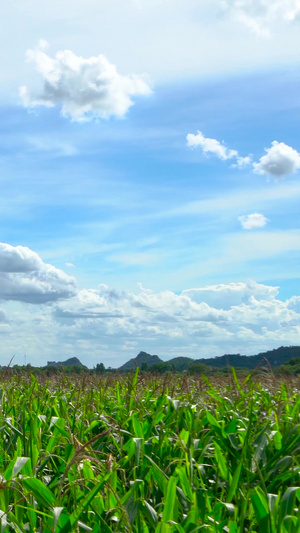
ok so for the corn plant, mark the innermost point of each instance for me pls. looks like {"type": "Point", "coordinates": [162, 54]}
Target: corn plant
{"type": "Point", "coordinates": [148, 454]}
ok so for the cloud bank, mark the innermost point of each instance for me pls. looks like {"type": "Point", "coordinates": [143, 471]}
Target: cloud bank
{"type": "Point", "coordinates": [85, 88]}
{"type": "Point", "coordinates": [95, 324]}
{"type": "Point", "coordinates": [237, 316]}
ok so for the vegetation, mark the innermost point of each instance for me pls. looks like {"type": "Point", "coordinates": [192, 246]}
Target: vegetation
{"type": "Point", "coordinates": [142, 358]}
{"type": "Point", "coordinates": [147, 454]}
{"type": "Point", "coordinates": [152, 363]}
{"type": "Point", "coordinates": [292, 367]}
{"type": "Point", "coordinates": [275, 358]}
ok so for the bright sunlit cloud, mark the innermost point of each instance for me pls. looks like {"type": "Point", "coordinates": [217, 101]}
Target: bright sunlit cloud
{"type": "Point", "coordinates": [26, 278]}
{"type": "Point", "coordinates": [84, 88]}
{"type": "Point", "coordinates": [279, 160]}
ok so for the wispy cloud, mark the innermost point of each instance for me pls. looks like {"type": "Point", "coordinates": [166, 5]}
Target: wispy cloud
{"type": "Point", "coordinates": [213, 146]}
{"type": "Point", "coordinates": [260, 15]}
{"type": "Point", "coordinates": [52, 146]}
{"type": "Point", "coordinates": [85, 88]}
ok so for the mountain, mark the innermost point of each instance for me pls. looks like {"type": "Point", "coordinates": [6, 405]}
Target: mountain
{"type": "Point", "coordinates": [276, 358]}
{"type": "Point", "coordinates": [141, 358]}
{"type": "Point", "coordinates": [180, 363]}
{"type": "Point", "coordinates": [73, 361]}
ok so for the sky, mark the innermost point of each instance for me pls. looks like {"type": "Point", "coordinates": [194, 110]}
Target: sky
{"type": "Point", "coordinates": [149, 167]}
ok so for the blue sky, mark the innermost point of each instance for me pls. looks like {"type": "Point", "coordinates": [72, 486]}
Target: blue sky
{"type": "Point", "coordinates": [150, 162]}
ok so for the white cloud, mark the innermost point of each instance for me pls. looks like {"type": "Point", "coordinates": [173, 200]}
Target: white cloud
{"type": "Point", "coordinates": [260, 15]}
{"type": "Point", "coordinates": [244, 317]}
{"type": "Point", "coordinates": [142, 43]}
{"type": "Point", "coordinates": [26, 278]}
{"type": "Point", "coordinates": [279, 160]}
{"type": "Point", "coordinates": [210, 146]}
{"type": "Point", "coordinates": [224, 296]}
{"type": "Point", "coordinates": [85, 88]}
{"type": "Point", "coordinates": [164, 313]}
{"type": "Point", "coordinates": [213, 146]}
{"type": "Point", "coordinates": [199, 322]}
{"type": "Point", "coordinates": [253, 221]}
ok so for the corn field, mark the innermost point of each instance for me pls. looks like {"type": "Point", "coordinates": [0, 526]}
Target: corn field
{"type": "Point", "coordinates": [149, 454]}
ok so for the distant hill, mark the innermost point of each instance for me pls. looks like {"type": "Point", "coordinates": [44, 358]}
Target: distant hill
{"type": "Point", "coordinates": [276, 358]}
{"type": "Point", "coordinates": [141, 358]}
{"type": "Point", "coordinates": [180, 363]}
{"type": "Point", "coordinates": [73, 361]}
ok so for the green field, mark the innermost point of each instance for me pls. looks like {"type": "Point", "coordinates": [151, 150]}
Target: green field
{"type": "Point", "coordinates": [150, 454]}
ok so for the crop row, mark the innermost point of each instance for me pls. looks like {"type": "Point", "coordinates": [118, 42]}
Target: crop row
{"type": "Point", "coordinates": [145, 456]}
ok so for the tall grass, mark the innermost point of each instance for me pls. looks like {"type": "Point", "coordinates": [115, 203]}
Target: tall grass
{"type": "Point", "coordinates": [140, 454]}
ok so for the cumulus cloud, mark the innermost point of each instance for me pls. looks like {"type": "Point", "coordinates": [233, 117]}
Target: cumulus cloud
{"type": "Point", "coordinates": [225, 296]}
{"type": "Point", "coordinates": [97, 325]}
{"type": "Point", "coordinates": [205, 321]}
{"type": "Point", "coordinates": [213, 146]}
{"type": "Point", "coordinates": [260, 15]}
{"type": "Point", "coordinates": [207, 311]}
{"type": "Point", "coordinates": [129, 312]}
{"type": "Point", "coordinates": [26, 278]}
{"type": "Point", "coordinates": [253, 221]}
{"type": "Point", "coordinates": [85, 88]}
{"type": "Point", "coordinates": [280, 160]}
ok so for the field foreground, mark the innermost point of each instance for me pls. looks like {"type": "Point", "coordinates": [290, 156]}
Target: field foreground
{"type": "Point", "coordinates": [144, 454]}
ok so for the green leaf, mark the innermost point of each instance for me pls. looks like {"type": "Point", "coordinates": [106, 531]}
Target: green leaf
{"type": "Point", "coordinates": [87, 500]}
{"type": "Point", "coordinates": [15, 467]}
{"type": "Point", "coordinates": [40, 491]}
{"type": "Point", "coordinates": [235, 482]}
{"type": "Point", "coordinates": [170, 501]}
{"type": "Point", "coordinates": [138, 447]}
{"type": "Point", "coordinates": [221, 461]}
{"type": "Point", "coordinates": [261, 509]}
{"type": "Point", "coordinates": [150, 513]}
{"type": "Point", "coordinates": [185, 483]}
{"type": "Point", "coordinates": [137, 427]}
{"type": "Point", "coordinates": [290, 524]}
{"type": "Point", "coordinates": [131, 491]}
{"type": "Point", "coordinates": [239, 388]}
{"type": "Point", "coordinates": [287, 503]}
